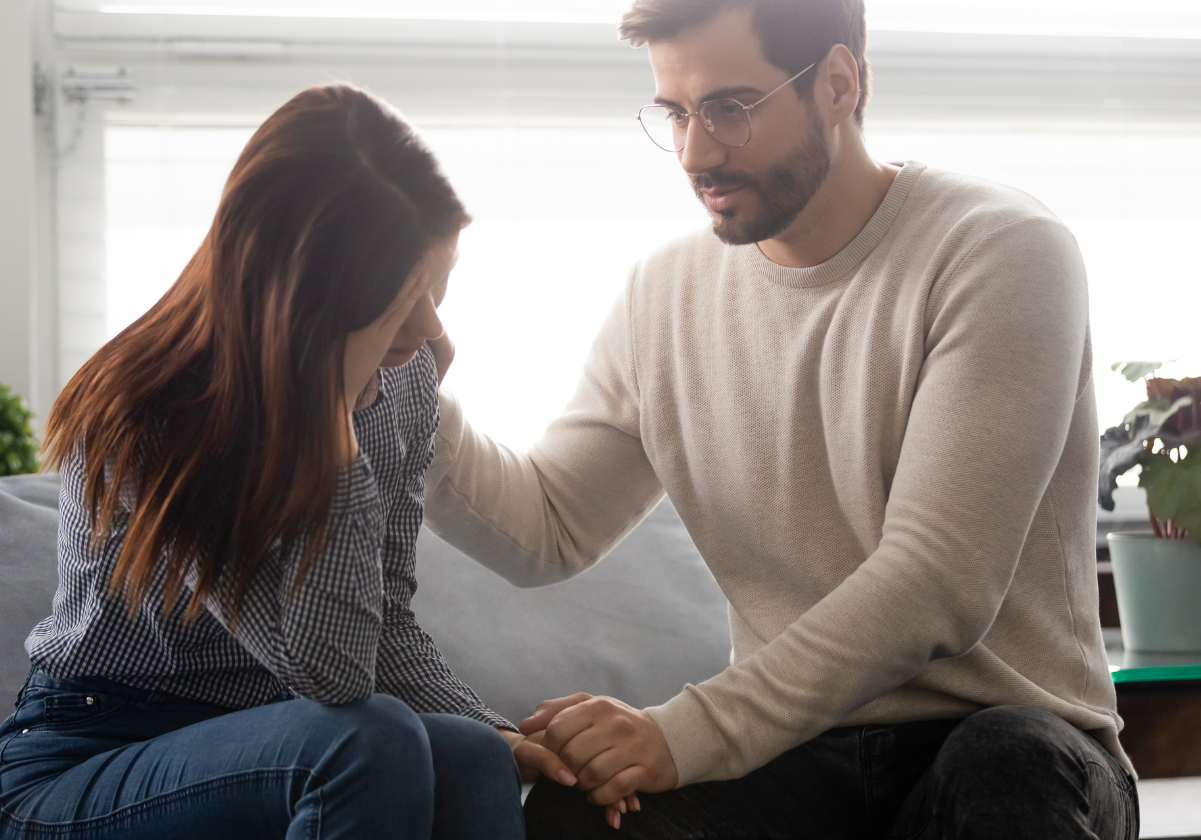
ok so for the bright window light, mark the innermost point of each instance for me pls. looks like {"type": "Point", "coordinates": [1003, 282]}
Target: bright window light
{"type": "Point", "coordinates": [560, 215]}
{"type": "Point", "coordinates": [1173, 19]}
{"type": "Point", "coordinates": [563, 212]}
{"type": "Point", "coordinates": [1179, 19]}
{"type": "Point", "coordinates": [506, 11]}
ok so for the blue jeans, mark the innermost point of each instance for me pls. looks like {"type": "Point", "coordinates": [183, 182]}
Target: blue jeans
{"type": "Point", "coordinates": [1003, 773]}
{"type": "Point", "coordinates": [93, 759]}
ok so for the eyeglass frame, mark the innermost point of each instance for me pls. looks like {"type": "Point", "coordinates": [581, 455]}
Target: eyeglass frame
{"type": "Point", "coordinates": [746, 109]}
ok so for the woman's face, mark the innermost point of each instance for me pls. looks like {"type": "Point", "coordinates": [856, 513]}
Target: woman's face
{"type": "Point", "coordinates": [422, 322]}
{"type": "Point", "coordinates": [396, 336]}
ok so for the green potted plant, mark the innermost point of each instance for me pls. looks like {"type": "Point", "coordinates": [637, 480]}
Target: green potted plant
{"type": "Point", "coordinates": [1157, 574]}
{"type": "Point", "coordinates": [18, 446]}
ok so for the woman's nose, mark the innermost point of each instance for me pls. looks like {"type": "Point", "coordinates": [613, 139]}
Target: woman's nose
{"type": "Point", "coordinates": [430, 323]}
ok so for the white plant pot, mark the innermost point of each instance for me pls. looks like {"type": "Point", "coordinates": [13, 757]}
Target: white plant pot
{"type": "Point", "coordinates": [1158, 584]}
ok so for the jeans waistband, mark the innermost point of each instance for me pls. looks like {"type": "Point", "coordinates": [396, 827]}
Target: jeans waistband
{"type": "Point", "coordinates": [39, 679]}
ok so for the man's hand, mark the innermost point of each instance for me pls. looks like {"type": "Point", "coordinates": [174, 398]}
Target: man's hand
{"type": "Point", "coordinates": [533, 759]}
{"type": "Point", "coordinates": [612, 748]}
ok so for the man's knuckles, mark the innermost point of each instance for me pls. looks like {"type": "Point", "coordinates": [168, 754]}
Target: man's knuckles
{"type": "Point", "coordinates": [558, 703]}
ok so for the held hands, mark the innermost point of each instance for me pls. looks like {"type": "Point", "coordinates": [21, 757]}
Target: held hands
{"type": "Point", "coordinates": [613, 749]}
{"type": "Point", "coordinates": [534, 760]}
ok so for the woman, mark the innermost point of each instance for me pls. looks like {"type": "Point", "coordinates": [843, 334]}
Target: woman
{"type": "Point", "coordinates": [232, 652]}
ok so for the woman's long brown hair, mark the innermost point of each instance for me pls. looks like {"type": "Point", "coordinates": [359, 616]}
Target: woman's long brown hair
{"type": "Point", "coordinates": [209, 425]}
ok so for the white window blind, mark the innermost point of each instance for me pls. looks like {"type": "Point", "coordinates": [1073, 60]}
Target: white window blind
{"type": "Point", "coordinates": [563, 212]}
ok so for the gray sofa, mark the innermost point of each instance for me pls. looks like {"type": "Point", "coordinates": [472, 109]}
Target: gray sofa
{"type": "Point", "coordinates": [639, 625]}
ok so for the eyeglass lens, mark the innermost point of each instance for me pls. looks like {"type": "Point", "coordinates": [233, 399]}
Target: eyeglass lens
{"type": "Point", "coordinates": [725, 119]}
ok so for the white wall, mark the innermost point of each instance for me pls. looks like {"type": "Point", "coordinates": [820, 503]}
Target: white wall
{"type": "Point", "coordinates": [17, 183]}
{"type": "Point", "coordinates": [28, 285]}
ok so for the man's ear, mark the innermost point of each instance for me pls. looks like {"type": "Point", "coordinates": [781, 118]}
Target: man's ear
{"type": "Point", "coordinates": [836, 88]}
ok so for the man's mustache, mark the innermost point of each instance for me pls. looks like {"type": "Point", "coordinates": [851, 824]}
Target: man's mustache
{"type": "Point", "coordinates": [718, 178]}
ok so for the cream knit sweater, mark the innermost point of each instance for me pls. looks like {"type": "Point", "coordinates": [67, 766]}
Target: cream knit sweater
{"type": "Point", "coordinates": [888, 461]}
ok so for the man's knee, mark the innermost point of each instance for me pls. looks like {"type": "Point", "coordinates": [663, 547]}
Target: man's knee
{"type": "Point", "coordinates": [1019, 771]}
{"type": "Point", "coordinates": [1011, 742]}
{"type": "Point", "coordinates": [553, 812]}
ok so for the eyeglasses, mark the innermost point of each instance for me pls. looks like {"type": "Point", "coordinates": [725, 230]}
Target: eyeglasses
{"type": "Point", "coordinates": [728, 121]}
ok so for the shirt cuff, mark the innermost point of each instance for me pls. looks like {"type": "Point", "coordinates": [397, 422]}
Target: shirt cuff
{"type": "Point", "coordinates": [485, 715]}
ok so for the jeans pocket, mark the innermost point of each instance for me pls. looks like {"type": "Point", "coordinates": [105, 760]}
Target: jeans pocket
{"type": "Point", "coordinates": [64, 709]}
{"type": "Point", "coordinates": [1113, 796]}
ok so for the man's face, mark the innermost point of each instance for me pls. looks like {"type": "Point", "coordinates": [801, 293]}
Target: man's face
{"type": "Point", "coordinates": [754, 192]}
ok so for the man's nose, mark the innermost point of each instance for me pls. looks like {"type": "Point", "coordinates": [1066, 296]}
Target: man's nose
{"type": "Point", "coordinates": [701, 151]}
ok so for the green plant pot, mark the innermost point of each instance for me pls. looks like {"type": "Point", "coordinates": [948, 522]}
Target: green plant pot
{"type": "Point", "coordinates": [1158, 585]}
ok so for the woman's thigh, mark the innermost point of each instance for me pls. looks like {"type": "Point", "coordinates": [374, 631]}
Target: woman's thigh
{"type": "Point", "coordinates": [90, 765]}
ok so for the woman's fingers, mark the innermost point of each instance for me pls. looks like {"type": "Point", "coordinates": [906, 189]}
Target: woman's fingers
{"type": "Point", "coordinates": [534, 760]}
{"type": "Point", "coordinates": [620, 786]}
{"type": "Point", "coordinates": [622, 806]}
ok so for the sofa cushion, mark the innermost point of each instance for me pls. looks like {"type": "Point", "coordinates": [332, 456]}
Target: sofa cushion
{"type": "Point", "coordinates": [638, 625]}
{"type": "Point", "coordinates": [28, 571]}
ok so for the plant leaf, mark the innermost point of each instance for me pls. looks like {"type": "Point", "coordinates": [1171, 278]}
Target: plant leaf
{"type": "Point", "coordinates": [1157, 412]}
{"type": "Point", "coordinates": [1121, 448]}
{"type": "Point", "coordinates": [1174, 490]}
{"type": "Point", "coordinates": [1134, 371]}
{"type": "Point", "coordinates": [18, 446]}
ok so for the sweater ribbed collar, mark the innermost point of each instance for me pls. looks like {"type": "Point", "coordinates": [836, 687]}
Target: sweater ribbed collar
{"type": "Point", "coordinates": [850, 257]}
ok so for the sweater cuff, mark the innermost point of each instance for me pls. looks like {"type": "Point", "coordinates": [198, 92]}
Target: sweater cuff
{"type": "Point", "coordinates": [697, 746]}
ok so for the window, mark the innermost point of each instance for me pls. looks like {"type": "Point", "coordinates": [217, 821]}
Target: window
{"type": "Point", "coordinates": [1079, 102]}
{"type": "Point", "coordinates": [560, 215]}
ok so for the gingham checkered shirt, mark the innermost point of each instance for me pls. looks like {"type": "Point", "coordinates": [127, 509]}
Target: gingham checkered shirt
{"type": "Point", "coordinates": [347, 631]}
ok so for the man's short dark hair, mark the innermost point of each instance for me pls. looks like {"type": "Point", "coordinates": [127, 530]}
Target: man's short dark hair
{"type": "Point", "coordinates": [793, 33]}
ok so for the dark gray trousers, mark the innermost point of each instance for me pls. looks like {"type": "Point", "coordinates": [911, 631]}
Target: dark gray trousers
{"type": "Point", "coordinates": [1007, 772]}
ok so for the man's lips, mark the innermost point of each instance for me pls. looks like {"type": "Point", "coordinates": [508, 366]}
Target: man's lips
{"type": "Point", "coordinates": [721, 196]}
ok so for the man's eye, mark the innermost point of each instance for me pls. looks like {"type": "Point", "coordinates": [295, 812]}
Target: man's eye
{"type": "Point", "coordinates": [676, 117]}
{"type": "Point", "coordinates": [725, 108]}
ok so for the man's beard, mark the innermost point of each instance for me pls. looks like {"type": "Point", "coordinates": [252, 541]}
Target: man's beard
{"type": "Point", "coordinates": [790, 187]}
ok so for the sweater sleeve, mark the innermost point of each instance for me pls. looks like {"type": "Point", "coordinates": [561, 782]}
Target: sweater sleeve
{"type": "Point", "coordinates": [1005, 351]}
{"type": "Point", "coordinates": [541, 516]}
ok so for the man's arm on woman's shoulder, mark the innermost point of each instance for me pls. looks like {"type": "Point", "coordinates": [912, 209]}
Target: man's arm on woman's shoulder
{"type": "Point", "coordinates": [540, 516]}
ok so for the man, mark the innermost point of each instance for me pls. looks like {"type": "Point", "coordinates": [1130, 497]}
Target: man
{"type": "Point", "coordinates": [867, 392]}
